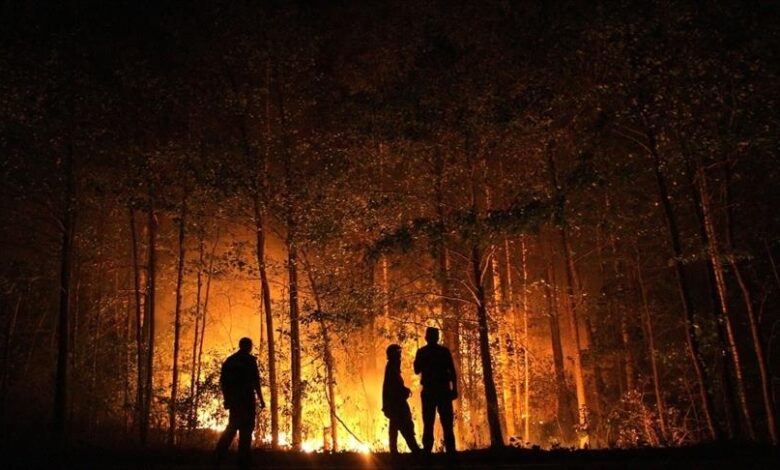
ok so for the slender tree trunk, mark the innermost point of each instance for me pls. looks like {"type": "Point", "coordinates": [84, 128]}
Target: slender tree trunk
{"type": "Point", "coordinates": [616, 305]}
{"type": "Point", "coordinates": [628, 363]}
{"type": "Point", "coordinates": [95, 340]}
{"type": "Point", "coordinates": [259, 191]}
{"type": "Point", "coordinates": [330, 376]}
{"type": "Point", "coordinates": [691, 340]}
{"type": "Point", "coordinates": [327, 352]}
{"type": "Point", "coordinates": [564, 411]}
{"type": "Point", "coordinates": [526, 368]}
{"type": "Point", "coordinates": [292, 273]}
{"type": "Point", "coordinates": [204, 319]}
{"type": "Point", "coordinates": [594, 407]}
{"type": "Point", "coordinates": [128, 359]}
{"type": "Point", "coordinates": [755, 334]}
{"type": "Point", "coordinates": [725, 359]}
{"type": "Point", "coordinates": [579, 377]}
{"type": "Point", "coordinates": [651, 350]}
{"type": "Point", "coordinates": [196, 334]}
{"type": "Point", "coordinates": [758, 349]}
{"type": "Point", "coordinates": [150, 318]}
{"type": "Point", "coordinates": [295, 342]}
{"type": "Point", "coordinates": [177, 325]}
{"type": "Point", "coordinates": [491, 395]}
{"type": "Point", "coordinates": [66, 251]}
{"type": "Point", "coordinates": [720, 282]}
{"type": "Point", "coordinates": [265, 292]}
{"type": "Point", "coordinates": [140, 305]}
{"type": "Point", "coordinates": [513, 341]}
{"type": "Point", "coordinates": [499, 304]}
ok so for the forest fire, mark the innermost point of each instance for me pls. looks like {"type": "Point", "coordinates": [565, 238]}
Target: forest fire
{"type": "Point", "coordinates": [209, 417]}
{"type": "Point", "coordinates": [462, 226]}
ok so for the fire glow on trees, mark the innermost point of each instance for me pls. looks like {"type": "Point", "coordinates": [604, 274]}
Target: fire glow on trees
{"type": "Point", "coordinates": [583, 199]}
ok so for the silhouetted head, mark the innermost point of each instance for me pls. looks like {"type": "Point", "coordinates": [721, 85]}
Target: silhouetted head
{"type": "Point", "coordinates": [245, 345]}
{"type": "Point", "coordinates": [432, 335]}
{"type": "Point", "coordinates": [393, 352]}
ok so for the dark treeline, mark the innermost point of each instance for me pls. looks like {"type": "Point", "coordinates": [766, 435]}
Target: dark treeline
{"type": "Point", "coordinates": [581, 195]}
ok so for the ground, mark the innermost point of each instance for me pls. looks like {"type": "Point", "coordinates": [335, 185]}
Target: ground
{"type": "Point", "coordinates": [729, 455]}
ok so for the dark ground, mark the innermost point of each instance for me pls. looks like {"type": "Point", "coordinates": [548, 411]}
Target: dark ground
{"type": "Point", "coordinates": [735, 456]}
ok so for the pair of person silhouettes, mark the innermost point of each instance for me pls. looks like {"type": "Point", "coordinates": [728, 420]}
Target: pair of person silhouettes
{"type": "Point", "coordinates": [439, 388]}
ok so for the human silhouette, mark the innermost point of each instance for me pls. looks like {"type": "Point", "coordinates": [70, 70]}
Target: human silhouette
{"type": "Point", "coordinates": [439, 388]}
{"type": "Point", "coordinates": [240, 381]}
{"type": "Point", "coordinates": [394, 405]}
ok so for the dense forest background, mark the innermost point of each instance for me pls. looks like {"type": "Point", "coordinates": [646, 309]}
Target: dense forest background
{"type": "Point", "coordinates": [581, 195]}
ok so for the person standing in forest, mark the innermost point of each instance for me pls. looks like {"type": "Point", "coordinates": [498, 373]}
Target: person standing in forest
{"type": "Point", "coordinates": [394, 405]}
{"type": "Point", "coordinates": [439, 388]}
{"type": "Point", "coordinates": [240, 381]}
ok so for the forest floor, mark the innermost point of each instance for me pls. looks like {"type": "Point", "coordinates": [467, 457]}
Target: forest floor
{"type": "Point", "coordinates": [735, 456]}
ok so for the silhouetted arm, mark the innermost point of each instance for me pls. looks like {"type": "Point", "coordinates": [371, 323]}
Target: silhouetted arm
{"type": "Point", "coordinates": [417, 363]}
{"type": "Point", "coordinates": [453, 375]}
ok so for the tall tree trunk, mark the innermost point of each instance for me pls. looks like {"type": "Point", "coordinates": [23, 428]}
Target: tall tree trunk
{"type": "Point", "coordinates": [327, 352]}
{"type": "Point", "coordinates": [651, 350]}
{"type": "Point", "coordinates": [204, 321]}
{"type": "Point", "coordinates": [177, 325]}
{"type": "Point", "coordinates": [691, 340]}
{"type": "Point", "coordinates": [126, 341]}
{"type": "Point", "coordinates": [564, 411]}
{"type": "Point", "coordinates": [140, 305]}
{"type": "Point", "coordinates": [625, 336]}
{"type": "Point", "coordinates": [755, 334]}
{"type": "Point", "coordinates": [526, 368]}
{"type": "Point", "coordinates": [478, 272]}
{"type": "Point", "coordinates": [499, 305]}
{"type": "Point", "coordinates": [295, 342]}
{"type": "Point", "coordinates": [260, 198]}
{"type": "Point", "coordinates": [615, 296]}
{"type": "Point", "coordinates": [292, 270]}
{"type": "Point", "coordinates": [196, 333]}
{"type": "Point", "coordinates": [560, 222]}
{"type": "Point", "coordinates": [491, 395]}
{"type": "Point", "coordinates": [513, 340]}
{"type": "Point", "coordinates": [758, 349]}
{"type": "Point", "coordinates": [151, 281]}
{"type": "Point", "coordinates": [713, 252]}
{"type": "Point", "coordinates": [95, 341]}
{"type": "Point", "coordinates": [265, 292]}
{"type": "Point", "coordinates": [725, 358]}
{"type": "Point", "coordinates": [579, 376]}
{"type": "Point", "coordinates": [66, 251]}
